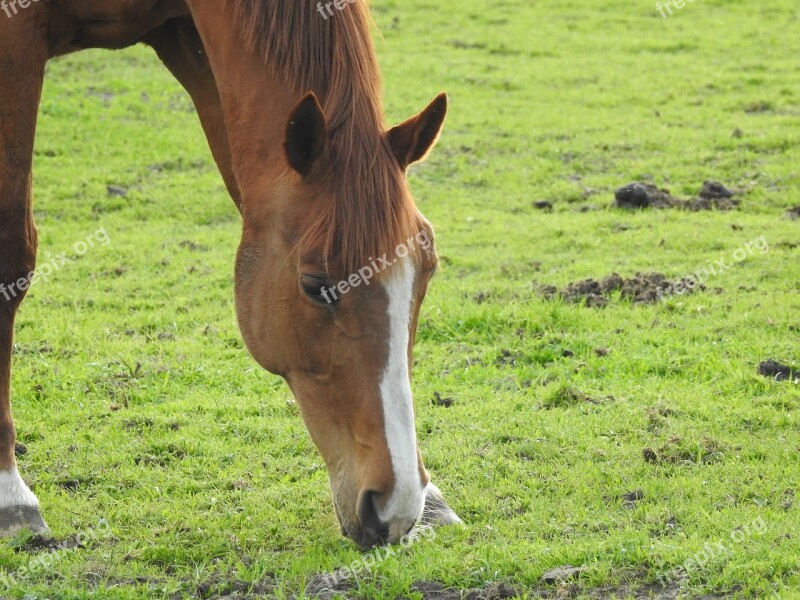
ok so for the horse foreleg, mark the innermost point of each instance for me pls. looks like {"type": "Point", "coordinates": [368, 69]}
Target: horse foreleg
{"type": "Point", "coordinates": [21, 73]}
{"type": "Point", "coordinates": [180, 48]}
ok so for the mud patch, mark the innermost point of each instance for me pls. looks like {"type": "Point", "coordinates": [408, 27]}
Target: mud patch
{"type": "Point", "coordinates": [557, 583]}
{"type": "Point", "coordinates": [430, 590]}
{"type": "Point", "coordinates": [561, 574]}
{"type": "Point", "coordinates": [778, 371]}
{"type": "Point", "coordinates": [444, 402]}
{"type": "Point", "coordinates": [565, 397]}
{"type": "Point", "coordinates": [642, 288]}
{"type": "Point", "coordinates": [223, 590]}
{"type": "Point", "coordinates": [712, 196]}
{"type": "Point", "coordinates": [677, 451]}
{"type": "Point", "coordinates": [44, 543]}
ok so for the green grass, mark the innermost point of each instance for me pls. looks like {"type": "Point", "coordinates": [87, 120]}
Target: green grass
{"type": "Point", "coordinates": [138, 403]}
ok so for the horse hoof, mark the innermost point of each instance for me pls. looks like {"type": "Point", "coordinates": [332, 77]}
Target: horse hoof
{"type": "Point", "coordinates": [14, 519]}
{"type": "Point", "coordinates": [436, 512]}
{"type": "Point", "coordinates": [19, 508]}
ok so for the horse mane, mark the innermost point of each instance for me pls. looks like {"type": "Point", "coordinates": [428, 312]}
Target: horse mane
{"type": "Point", "coordinates": [371, 210]}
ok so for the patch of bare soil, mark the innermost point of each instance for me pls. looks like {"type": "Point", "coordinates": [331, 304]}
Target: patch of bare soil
{"type": "Point", "coordinates": [642, 288]}
{"type": "Point", "coordinates": [555, 588]}
{"type": "Point", "coordinates": [778, 371]}
{"type": "Point", "coordinates": [44, 543]}
{"type": "Point", "coordinates": [234, 590]}
{"type": "Point", "coordinates": [559, 583]}
{"type": "Point", "coordinates": [680, 451]}
{"type": "Point", "coordinates": [793, 214]}
{"type": "Point", "coordinates": [712, 196]}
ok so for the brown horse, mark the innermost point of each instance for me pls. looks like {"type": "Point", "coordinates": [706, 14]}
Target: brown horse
{"type": "Point", "coordinates": [335, 258]}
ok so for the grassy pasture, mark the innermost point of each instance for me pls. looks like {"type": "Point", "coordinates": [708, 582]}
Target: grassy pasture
{"type": "Point", "coordinates": [625, 440]}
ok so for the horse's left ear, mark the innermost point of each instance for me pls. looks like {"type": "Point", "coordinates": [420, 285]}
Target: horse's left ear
{"type": "Point", "coordinates": [306, 134]}
{"type": "Point", "coordinates": [413, 140]}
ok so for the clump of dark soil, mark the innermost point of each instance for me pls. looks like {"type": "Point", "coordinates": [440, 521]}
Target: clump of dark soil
{"type": "Point", "coordinates": [221, 589]}
{"type": "Point", "coordinates": [565, 397]}
{"type": "Point", "coordinates": [631, 498]}
{"type": "Point", "coordinates": [438, 400]}
{"type": "Point", "coordinates": [557, 583]}
{"type": "Point", "coordinates": [642, 288]}
{"type": "Point", "coordinates": [320, 587]}
{"type": "Point", "coordinates": [793, 213]}
{"type": "Point", "coordinates": [777, 371]}
{"type": "Point", "coordinates": [432, 590]}
{"type": "Point", "coordinates": [644, 195]}
{"type": "Point", "coordinates": [712, 196]}
{"type": "Point", "coordinates": [45, 543]}
{"type": "Point", "coordinates": [561, 574]}
{"type": "Point", "coordinates": [679, 451]}
{"type": "Point", "coordinates": [714, 190]}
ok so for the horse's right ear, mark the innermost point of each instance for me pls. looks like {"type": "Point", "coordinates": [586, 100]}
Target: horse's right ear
{"type": "Point", "coordinates": [306, 134]}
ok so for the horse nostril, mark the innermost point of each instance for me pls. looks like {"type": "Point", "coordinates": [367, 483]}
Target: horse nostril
{"type": "Point", "coordinates": [371, 523]}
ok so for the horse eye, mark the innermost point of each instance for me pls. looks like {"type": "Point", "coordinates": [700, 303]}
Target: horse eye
{"type": "Point", "coordinates": [318, 289]}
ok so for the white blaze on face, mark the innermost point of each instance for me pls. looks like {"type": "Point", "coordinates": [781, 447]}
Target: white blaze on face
{"type": "Point", "coordinates": [408, 497]}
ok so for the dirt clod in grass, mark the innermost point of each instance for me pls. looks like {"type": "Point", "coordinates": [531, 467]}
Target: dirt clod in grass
{"type": "Point", "coordinates": [218, 589]}
{"type": "Point", "coordinates": [193, 246]}
{"type": "Point", "coordinates": [320, 587]}
{"type": "Point", "coordinates": [20, 449]}
{"type": "Point", "coordinates": [506, 358]}
{"type": "Point", "coordinates": [657, 418]}
{"type": "Point", "coordinates": [116, 191]}
{"type": "Point", "coordinates": [561, 574]}
{"type": "Point", "coordinates": [642, 288]}
{"type": "Point", "coordinates": [544, 205]}
{"type": "Point", "coordinates": [633, 497]}
{"type": "Point", "coordinates": [565, 396]}
{"type": "Point", "coordinates": [44, 543]}
{"type": "Point", "coordinates": [644, 195]}
{"type": "Point", "coordinates": [71, 483]}
{"type": "Point", "coordinates": [793, 214]}
{"type": "Point", "coordinates": [496, 591]}
{"type": "Point", "coordinates": [443, 402]}
{"type": "Point", "coordinates": [432, 590]}
{"type": "Point", "coordinates": [698, 204]}
{"type": "Point", "coordinates": [712, 196]}
{"type": "Point", "coordinates": [777, 371]}
{"type": "Point", "coordinates": [678, 451]}
{"type": "Point", "coordinates": [650, 456]}
{"type": "Point", "coordinates": [714, 190]}
{"type": "Point", "coordinates": [788, 500]}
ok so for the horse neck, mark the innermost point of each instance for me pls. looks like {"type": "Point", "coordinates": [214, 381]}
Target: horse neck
{"type": "Point", "coordinates": [256, 102]}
